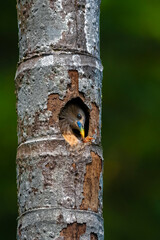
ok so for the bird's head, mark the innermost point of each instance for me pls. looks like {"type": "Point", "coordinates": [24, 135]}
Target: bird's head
{"type": "Point", "coordinates": [74, 116]}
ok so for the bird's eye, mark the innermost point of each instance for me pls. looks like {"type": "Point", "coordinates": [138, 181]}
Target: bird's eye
{"type": "Point", "coordinates": [79, 116]}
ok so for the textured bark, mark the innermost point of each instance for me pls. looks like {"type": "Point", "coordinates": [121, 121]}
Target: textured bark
{"type": "Point", "coordinates": [59, 185]}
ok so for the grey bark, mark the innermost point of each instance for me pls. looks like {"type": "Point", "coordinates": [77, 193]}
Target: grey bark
{"type": "Point", "coordinates": [59, 186]}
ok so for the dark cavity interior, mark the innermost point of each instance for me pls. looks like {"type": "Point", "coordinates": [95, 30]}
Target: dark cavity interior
{"type": "Point", "coordinates": [82, 105]}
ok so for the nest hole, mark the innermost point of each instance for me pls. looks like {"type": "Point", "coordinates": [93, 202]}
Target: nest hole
{"type": "Point", "coordinates": [78, 102]}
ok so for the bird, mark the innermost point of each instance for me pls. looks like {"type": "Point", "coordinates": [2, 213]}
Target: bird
{"type": "Point", "coordinates": [72, 124]}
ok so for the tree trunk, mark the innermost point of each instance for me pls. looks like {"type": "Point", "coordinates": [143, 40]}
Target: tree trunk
{"type": "Point", "coordinates": [59, 184]}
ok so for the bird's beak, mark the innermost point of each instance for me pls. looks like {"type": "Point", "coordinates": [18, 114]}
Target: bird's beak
{"type": "Point", "coordinates": [81, 129]}
{"type": "Point", "coordinates": [82, 132]}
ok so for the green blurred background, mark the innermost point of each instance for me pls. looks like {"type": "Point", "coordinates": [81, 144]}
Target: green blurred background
{"type": "Point", "coordinates": [130, 52]}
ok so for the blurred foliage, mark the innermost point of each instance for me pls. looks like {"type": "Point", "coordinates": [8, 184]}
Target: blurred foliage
{"type": "Point", "coordinates": [130, 52]}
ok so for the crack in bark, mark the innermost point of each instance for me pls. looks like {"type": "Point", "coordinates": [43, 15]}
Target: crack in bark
{"type": "Point", "coordinates": [74, 211]}
{"type": "Point", "coordinates": [60, 50]}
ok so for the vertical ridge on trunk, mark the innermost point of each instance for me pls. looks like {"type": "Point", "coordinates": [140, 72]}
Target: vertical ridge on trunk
{"type": "Point", "coordinates": [59, 186]}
